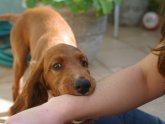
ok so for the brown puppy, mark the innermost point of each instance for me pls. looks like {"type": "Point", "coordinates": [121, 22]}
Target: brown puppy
{"type": "Point", "coordinates": [57, 65]}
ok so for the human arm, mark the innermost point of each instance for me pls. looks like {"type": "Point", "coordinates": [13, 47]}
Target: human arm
{"type": "Point", "coordinates": [128, 88]}
{"type": "Point", "coordinates": [122, 91]}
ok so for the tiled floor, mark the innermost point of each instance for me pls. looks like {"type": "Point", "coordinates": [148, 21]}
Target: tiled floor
{"type": "Point", "coordinates": [132, 45]}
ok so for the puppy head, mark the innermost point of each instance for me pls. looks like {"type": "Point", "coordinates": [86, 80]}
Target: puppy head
{"type": "Point", "coordinates": [65, 71]}
{"type": "Point", "coordinates": [62, 70]}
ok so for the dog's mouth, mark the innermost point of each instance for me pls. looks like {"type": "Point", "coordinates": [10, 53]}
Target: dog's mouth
{"type": "Point", "coordinates": [52, 94]}
{"type": "Point", "coordinates": [85, 121]}
{"type": "Point", "coordinates": [78, 121]}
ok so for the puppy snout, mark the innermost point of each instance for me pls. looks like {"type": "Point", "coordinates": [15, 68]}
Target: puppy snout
{"type": "Point", "coordinates": [82, 86]}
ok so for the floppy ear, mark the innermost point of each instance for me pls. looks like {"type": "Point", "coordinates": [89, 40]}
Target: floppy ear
{"type": "Point", "coordinates": [34, 92]}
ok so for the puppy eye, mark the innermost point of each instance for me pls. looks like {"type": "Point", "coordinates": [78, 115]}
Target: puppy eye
{"type": "Point", "coordinates": [57, 66]}
{"type": "Point", "coordinates": [84, 63]}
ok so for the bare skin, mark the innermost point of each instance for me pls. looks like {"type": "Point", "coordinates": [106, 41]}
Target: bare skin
{"type": "Point", "coordinates": [120, 92]}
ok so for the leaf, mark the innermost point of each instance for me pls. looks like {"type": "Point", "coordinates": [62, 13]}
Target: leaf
{"type": "Point", "coordinates": [74, 9]}
{"type": "Point", "coordinates": [59, 4]}
{"type": "Point", "coordinates": [31, 3]}
{"type": "Point", "coordinates": [97, 6]}
{"type": "Point", "coordinates": [68, 2]}
{"type": "Point", "coordinates": [86, 4]}
{"type": "Point", "coordinates": [78, 6]}
{"type": "Point", "coordinates": [78, 1]}
{"type": "Point", "coordinates": [107, 6]}
{"type": "Point", "coordinates": [45, 1]}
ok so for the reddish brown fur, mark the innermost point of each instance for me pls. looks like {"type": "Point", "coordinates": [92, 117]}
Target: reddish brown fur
{"type": "Point", "coordinates": [49, 39]}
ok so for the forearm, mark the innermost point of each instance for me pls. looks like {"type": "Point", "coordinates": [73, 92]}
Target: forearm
{"type": "Point", "coordinates": [126, 90]}
{"type": "Point", "coordinates": [117, 93]}
{"type": "Point", "coordinates": [123, 91]}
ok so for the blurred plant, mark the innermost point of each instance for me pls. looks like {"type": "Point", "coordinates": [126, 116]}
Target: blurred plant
{"type": "Point", "coordinates": [154, 5]}
{"type": "Point", "coordinates": [102, 7]}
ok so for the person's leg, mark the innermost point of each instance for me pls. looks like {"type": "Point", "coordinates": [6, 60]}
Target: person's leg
{"type": "Point", "coordinates": [132, 117]}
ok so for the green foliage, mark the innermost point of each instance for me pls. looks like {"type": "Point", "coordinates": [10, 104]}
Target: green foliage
{"type": "Point", "coordinates": [154, 5]}
{"type": "Point", "coordinates": [102, 7]}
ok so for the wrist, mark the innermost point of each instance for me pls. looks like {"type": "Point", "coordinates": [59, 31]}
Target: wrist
{"type": "Point", "coordinates": [67, 108]}
{"type": "Point", "coordinates": [64, 108]}
{"type": "Point", "coordinates": [73, 108]}
{"type": "Point", "coordinates": [77, 108]}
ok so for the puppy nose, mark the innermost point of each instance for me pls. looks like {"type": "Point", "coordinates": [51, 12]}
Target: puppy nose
{"type": "Point", "coordinates": [82, 86]}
